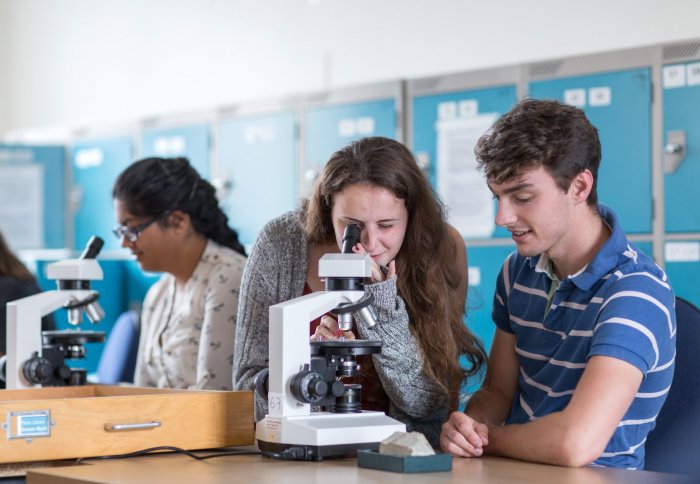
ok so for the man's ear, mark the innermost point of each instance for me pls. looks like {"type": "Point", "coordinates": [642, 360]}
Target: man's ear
{"type": "Point", "coordinates": [581, 186]}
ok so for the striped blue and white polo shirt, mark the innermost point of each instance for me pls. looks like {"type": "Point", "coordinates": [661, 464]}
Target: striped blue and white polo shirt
{"type": "Point", "coordinates": [620, 305]}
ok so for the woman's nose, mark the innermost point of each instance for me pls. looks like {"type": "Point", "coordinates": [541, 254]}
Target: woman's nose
{"type": "Point", "coordinates": [369, 239]}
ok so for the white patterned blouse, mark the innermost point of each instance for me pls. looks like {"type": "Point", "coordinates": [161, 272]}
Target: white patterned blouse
{"type": "Point", "coordinates": [188, 343]}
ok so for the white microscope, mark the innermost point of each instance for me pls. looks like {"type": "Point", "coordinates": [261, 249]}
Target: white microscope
{"type": "Point", "coordinates": [302, 374]}
{"type": "Point", "coordinates": [34, 358]}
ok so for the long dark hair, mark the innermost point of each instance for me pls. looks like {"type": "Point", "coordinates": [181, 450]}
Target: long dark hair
{"type": "Point", "coordinates": [425, 261]}
{"type": "Point", "coordinates": [153, 186]}
{"type": "Point", "coordinates": [10, 265]}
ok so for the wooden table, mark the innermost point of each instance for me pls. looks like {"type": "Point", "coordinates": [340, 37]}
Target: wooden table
{"type": "Point", "coordinates": [256, 469]}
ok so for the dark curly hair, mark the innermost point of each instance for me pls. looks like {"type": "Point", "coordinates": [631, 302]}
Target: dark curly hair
{"type": "Point", "coordinates": [429, 281]}
{"type": "Point", "coordinates": [541, 133]}
{"type": "Point", "coordinates": [153, 186]}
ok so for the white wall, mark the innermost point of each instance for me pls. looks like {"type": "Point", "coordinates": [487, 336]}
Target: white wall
{"type": "Point", "coordinates": [91, 62]}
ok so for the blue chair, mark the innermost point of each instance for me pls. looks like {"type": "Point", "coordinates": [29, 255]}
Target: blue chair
{"type": "Point", "coordinates": [118, 359]}
{"type": "Point", "coordinates": [673, 445]}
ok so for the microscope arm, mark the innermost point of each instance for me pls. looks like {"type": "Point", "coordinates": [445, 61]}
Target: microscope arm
{"type": "Point", "coordinates": [289, 344]}
{"type": "Point", "coordinates": [24, 330]}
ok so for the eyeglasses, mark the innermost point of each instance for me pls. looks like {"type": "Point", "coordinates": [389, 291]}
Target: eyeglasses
{"type": "Point", "coordinates": [132, 233]}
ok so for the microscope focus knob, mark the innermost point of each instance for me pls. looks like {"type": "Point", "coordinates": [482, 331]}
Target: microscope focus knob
{"type": "Point", "coordinates": [337, 388]}
{"type": "Point", "coordinates": [63, 372]}
{"type": "Point", "coordinates": [261, 384]}
{"type": "Point", "coordinates": [37, 369]}
{"type": "Point", "coordinates": [308, 387]}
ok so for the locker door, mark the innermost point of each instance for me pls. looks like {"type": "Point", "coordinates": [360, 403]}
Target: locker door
{"type": "Point", "coordinates": [644, 247]}
{"type": "Point", "coordinates": [258, 158]}
{"type": "Point", "coordinates": [683, 268]}
{"type": "Point", "coordinates": [619, 105]}
{"type": "Point", "coordinates": [329, 128]}
{"type": "Point", "coordinates": [96, 165]}
{"type": "Point", "coordinates": [191, 142]}
{"type": "Point", "coordinates": [429, 109]}
{"type": "Point", "coordinates": [48, 164]}
{"type": "Point", "coordinates": [484, 266]}
{"type": "Point", "coordinates": [681, 91]}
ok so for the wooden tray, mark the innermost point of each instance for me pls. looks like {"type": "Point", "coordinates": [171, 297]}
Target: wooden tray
{"type": "Point", "coordinates": [93, 420]}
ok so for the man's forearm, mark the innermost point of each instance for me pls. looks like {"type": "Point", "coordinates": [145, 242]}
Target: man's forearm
{"type": "Point", "coordinates": [550, 440]}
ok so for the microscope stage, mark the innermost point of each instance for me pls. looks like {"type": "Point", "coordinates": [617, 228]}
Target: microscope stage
{"type": "Point", "coordinates": [69, 337]}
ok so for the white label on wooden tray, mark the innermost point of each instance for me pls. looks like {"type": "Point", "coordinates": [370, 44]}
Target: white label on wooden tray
{"type": "Point", "coordinates": [27, 425]}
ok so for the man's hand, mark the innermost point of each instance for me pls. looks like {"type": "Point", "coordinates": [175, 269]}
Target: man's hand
{"type": "Point", "coordinates": [462, 436]}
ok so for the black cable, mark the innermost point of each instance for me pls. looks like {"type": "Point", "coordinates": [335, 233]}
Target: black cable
{"type": "Point", "coordinates": [166, 449]}
{"type": "Point", "coordinates": [291, 453]}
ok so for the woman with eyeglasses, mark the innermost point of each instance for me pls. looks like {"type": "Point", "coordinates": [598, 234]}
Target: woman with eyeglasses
{"type": "Point", "coordinates": [170, 219]}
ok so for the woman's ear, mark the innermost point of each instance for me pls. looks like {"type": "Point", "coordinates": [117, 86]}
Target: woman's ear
{"type": "Point", "coordinates": [179, 222]}
{"type": "Point", "coordinates": [581, 186]}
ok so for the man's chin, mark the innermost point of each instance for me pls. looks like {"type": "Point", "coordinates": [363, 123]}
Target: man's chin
{"type": "Point", "coordinates": [527, 251]}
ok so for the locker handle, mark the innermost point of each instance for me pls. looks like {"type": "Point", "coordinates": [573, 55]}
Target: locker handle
{"type": "Point", "coordinates": [674, 151]}
{"type": "Point", "coordinates": [131, 426]}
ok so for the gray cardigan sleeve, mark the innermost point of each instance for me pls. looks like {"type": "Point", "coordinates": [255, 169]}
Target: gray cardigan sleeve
{"type": "Point", "coordinates": [415, 398]}
{"type": "Point", "coordinates": [275, 272]}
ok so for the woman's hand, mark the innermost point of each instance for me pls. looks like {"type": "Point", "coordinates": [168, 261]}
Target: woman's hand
{"type": "Point", "coordinates": [328, 329]}
{"type": "Point", "coordinates": [380, 273]}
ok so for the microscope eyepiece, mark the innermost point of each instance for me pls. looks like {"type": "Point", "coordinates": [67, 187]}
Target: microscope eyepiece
{"type": "Point", "coordinates": [93, 247]}
{"type": "Point", "coordinates": [351, 237]}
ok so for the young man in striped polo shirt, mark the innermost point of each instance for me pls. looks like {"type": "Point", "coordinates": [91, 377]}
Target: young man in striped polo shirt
{"type": "Point", "coordinates": [584, 350]}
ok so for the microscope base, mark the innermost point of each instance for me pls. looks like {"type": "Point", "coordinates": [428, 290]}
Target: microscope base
{"type": "Point", "coordinates": [312, 452]}
{"type": "Point", "coordinates": [322, 435]}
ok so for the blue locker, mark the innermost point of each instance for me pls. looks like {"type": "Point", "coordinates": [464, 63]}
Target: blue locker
{"type": "Point", "coordinates": [329, 128]}
{"type": "Point", "coordinates": [192, 142]}
{"type": "Point", "coordinates": [684, 271]}
{"type": "Point", "coordinates": [681, 103]}
{"type": "Point", "coordinates": [111, 299]}
{"type": "Point", "coordinates": [619, 105]}
{"type": "Point", "coordinates": [52, 160]}
{"type": "Point", "coordinates": [644, 247]}
{"type": "Point", "coordinates": [484, 265]}
{"type": "Point", "coordinates": [258, 157]}
{"type": "Point", "coordinates": [96, 165]}
{"type": "Point", "coordinates": [498, 100]}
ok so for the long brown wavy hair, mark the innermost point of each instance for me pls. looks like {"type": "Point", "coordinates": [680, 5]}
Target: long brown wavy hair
{"type": "Point", "coordinates": [10, 265]}
{"type": "Point", "coordinates": [425, 262]}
